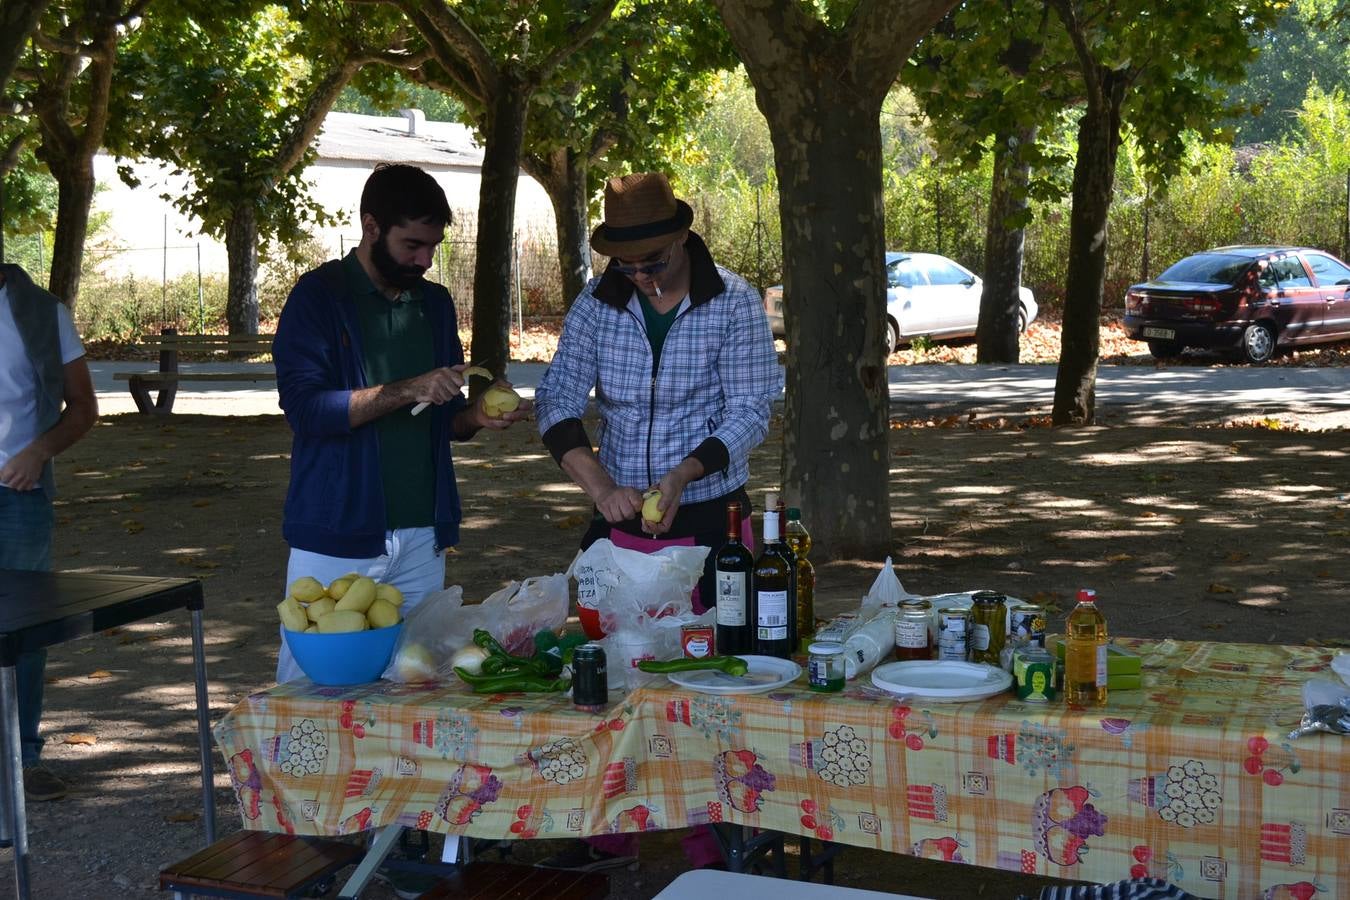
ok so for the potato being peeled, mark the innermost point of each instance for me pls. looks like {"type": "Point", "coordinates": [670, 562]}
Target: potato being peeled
{"type": "Point", "coordinates": [389, 594]}
{"type": "Point", "coordinates": [499, 399]}
{"type": "Point", "coordinates": [338, 586]}
{"type": "Point", "coordinates": [651, 511]}
{"type": "Point", "coordinates": [319, 608]}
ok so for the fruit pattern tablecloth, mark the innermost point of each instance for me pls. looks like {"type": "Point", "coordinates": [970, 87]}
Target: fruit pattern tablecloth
{"type": "Point", "coordinates": [1190, 779]}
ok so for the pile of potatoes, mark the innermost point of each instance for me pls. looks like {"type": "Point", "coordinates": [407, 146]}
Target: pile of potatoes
{"type": "Point", "coordinates": [350, 603]}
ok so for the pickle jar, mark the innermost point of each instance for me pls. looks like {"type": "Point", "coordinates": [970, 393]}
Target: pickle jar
{"type": "Point", "coordinates": [825, 666]}
{"type": "Point", "coordinates": [988, 627]}
{"type": "Point", "coordinates": [913, 635]}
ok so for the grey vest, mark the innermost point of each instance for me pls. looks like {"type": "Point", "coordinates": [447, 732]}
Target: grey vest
{"type": "Point", "coordinates": [35, 316]}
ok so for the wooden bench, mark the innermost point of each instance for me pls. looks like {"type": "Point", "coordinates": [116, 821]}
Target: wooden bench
{"type": "Point", "coordinates": [500, 881]}
{"type": "Point", "coordinates": [170, 344]}
{"type": "Point", "coordinates": [259, 864]}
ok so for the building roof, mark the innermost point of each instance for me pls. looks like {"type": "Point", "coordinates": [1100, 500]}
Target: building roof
{"type": "Point", "coordinates": [408, 139]}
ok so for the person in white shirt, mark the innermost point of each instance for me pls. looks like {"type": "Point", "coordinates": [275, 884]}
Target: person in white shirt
{"type": "Point", "coordinates": [47, 403]}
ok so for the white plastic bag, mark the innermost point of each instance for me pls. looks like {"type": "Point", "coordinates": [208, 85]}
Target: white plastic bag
{"type": "Point", "coordinates": [886, 590]}
{"type": "Point", "coordinates": [430, 634]}
{"type": "Point", "coordinates": [618, 587]}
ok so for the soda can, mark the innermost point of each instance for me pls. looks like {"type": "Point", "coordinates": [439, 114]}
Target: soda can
{"type": "Point", "coordinates": [953, 633]}
{"type": "Point", "coordinates": [1026, 625]}
{"type": "Point", "coordinates": [590, 678]}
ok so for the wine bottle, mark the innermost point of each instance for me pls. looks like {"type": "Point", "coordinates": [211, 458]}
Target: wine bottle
{"type": "Point", "coordinates": [734, 565]}
{"type": "Point", "coordinates": [772, 589]}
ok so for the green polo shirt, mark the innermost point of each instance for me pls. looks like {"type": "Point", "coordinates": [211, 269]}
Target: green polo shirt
{"type": "Point", "coordinates": [397, 343]}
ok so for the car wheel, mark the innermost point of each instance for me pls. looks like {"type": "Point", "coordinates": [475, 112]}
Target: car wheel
{"type": "Point", "coordinates": [1258, 343]}
{"type": "Point", "coordinates": [892, 336]}
{"type": "Point", "coordinates": [1164, 349]}
{"type": "Point", "coordinates": [1021, 320]}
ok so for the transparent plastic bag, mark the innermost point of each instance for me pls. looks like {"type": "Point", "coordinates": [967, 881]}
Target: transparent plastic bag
{"type": "Point", "coordinates": [442, 623]}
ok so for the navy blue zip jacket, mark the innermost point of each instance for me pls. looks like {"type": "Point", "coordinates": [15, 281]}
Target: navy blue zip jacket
{"type": "Point", "coordinates": [335, 501]}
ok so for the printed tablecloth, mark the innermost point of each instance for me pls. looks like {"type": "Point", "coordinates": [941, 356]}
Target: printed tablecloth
{"type": "Point", "coordinates": [1189, 779]}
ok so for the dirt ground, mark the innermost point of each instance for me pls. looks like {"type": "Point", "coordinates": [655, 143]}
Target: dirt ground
{"type": "Point", "coordinates": [1235, 534]}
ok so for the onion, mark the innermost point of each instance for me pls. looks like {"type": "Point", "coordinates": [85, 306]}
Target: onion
{"type": "Point", "coordinates": [469, 658]}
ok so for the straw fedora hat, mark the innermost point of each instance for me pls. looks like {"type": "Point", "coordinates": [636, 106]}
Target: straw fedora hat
{"type": "Point", "coordinates": [641, 216]}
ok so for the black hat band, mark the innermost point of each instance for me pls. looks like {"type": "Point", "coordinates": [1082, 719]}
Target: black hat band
{"type": "Point", "coordinates": [629, 233]}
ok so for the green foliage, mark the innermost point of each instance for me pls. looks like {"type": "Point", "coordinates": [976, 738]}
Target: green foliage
{"type": "Point", "coordinates": [1309, 44]}
{"type": "Point", "coordinates": [216, 96]}
{"type": "Point", "coordinates": [377, 91]}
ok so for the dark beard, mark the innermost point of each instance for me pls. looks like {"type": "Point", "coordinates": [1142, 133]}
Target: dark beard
{"type": "Point", "coordinates": [403, 277]}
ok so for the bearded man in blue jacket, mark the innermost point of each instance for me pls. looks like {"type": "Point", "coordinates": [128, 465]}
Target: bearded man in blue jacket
{"type": "Point", "coordinates": [370, 371]}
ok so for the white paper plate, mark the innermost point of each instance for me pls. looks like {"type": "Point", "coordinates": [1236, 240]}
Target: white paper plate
{"type": "Point", "coordinates": [941, 680]}
{"type": "Point", "coordinates": [766, 673]}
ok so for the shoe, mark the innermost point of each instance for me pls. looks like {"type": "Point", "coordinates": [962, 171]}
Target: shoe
{"type": "Point", "coordinates": [40, 784]}
{"type": "Point", "coordinates": [582, 857]}
{"type": "Point", "coordinates": [407, 885]}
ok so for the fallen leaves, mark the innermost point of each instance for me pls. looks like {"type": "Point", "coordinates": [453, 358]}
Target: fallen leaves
{"type": "Point", "coordinates": [80, 739]}
{"type": "Point", "coordinates": [100, 673]}
{"type": "Point", "coordinates": [1216, 587]}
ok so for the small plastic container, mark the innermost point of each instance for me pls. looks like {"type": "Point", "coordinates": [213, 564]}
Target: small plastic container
{"type": "Point", "coordinates": [825, 666]}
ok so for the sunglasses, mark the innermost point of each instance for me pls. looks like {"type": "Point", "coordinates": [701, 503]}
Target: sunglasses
{"type": "Point", "coordinates": [655, 267]}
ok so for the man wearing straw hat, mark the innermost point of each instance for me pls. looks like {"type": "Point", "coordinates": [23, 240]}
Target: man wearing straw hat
{"type": "Point", "coordinates": [680, 356]}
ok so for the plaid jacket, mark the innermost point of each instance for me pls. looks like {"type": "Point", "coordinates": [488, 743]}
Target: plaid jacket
{"type": "Point", "coordinates": [709, 397]}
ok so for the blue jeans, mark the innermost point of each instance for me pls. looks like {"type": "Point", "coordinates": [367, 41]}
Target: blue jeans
{"type": "Point", "coordinates": [26, 523]}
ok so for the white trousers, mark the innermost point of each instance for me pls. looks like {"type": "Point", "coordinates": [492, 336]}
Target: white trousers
{"type": "Point", "coordinates": [410, 563]}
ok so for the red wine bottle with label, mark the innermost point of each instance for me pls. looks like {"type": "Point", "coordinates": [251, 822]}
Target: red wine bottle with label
{"type": "Point", "coordinates": [774, 609]}
{"type": "Point", "coordinates": [734, 566]}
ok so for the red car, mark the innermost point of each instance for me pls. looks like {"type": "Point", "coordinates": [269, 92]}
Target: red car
{"type": "Point", "coordinates": [1255, 300]}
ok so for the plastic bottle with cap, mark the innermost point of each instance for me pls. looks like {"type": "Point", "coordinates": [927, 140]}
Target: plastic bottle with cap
{"type": "Point", "coordinates": [869, 644]}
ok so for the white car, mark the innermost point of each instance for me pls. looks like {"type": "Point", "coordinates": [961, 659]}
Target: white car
{"type": "Point", "coordinates": [926, 295]}
{"type": "Point", "coordinates": [929, 295]}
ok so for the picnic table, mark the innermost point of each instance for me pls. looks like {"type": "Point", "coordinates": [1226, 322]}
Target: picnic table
{"type": "Point", "coordinates": [1190, 778]}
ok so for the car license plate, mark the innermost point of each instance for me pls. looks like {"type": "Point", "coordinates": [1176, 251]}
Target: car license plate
{"type": "Point", "coordinates": [1166, 334]}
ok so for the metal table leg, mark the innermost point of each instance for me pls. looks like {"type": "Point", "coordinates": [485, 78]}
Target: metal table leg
{"type": "Point", "coordinates": [13, 788]}
{"type": "Point", "coordinates": [384, 841]}
{"type": "Point", "coordinates": [204, 728]}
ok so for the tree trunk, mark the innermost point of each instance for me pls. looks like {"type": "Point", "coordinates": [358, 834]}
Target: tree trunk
{"type": "Point", "coordinates": [563, 177]}
{"type": "Point", "coordinates": [996, 336]}
{"type": "Point", "coordinates": [241, 248]}
{"type": "Point", "coordinates": [1094, 173]}
{"type": "Point", "coordinates": [75, 193]}
{"type": "Point", "coordinates": [492, 289]}
{"type": "Point", "coordinates": [836, 464]}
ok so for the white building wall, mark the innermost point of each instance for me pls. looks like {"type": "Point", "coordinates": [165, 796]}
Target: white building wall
{"type": "Point", "coordinates": [145, 236]}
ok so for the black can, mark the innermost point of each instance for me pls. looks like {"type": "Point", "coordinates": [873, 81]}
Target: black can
{"type": "Point", "coordinates": [590, 676]}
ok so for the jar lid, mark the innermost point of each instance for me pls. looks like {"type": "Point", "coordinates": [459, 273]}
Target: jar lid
{"type": "Point", "coordinates": [987, 597]}
{"type": "Point", "coordinates": [912, 606]}
{"type": "Point", "coordinates": [825, 648]}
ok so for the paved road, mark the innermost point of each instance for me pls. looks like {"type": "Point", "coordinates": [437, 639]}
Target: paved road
{"type": "Point", "coordinates": [1317, 398]}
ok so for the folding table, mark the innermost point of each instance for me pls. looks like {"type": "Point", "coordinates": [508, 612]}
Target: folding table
{"type": "Point", "coordinates": [40, 609]}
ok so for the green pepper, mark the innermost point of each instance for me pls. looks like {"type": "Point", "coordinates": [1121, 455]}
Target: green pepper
{"type": "Point", "coordinates": [731, 665]}
{"type": "Point", "coordinates": [539, 664]}
{"type": "Point", "coordinates": [511, 682]}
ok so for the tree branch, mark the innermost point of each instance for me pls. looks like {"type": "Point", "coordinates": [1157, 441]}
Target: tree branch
{"type": "Point", "coordinates": [1087, 64]}
{"type": "Point", "coordinates": [875, 32]}
{"type": "Point", "coordinates": [18, 20]}
{"type": "Point", "coordinates": [458, 46]}
{"type": "Point", "coordinates": [583, 33]}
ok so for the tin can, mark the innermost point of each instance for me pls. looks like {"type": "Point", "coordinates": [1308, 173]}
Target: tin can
{"type": "Point", "coordinates": [912, 637]}
{"type": "Point", "coordinates": [988, 627]}
{"type": "Point", "coordinates": [697, 641]}
{"type": "Point", "coordinates": [590, 677]}
{"type": "Point", "coordinates": [953, 633]}
{"type": "Point", "coordinates": [1026, 625]}
{"type": "Point", "coordinates": [1034, 674]}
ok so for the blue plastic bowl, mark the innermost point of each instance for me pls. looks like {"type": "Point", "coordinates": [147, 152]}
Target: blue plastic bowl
{"type": "Point", "coordinates": [351, 657]}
